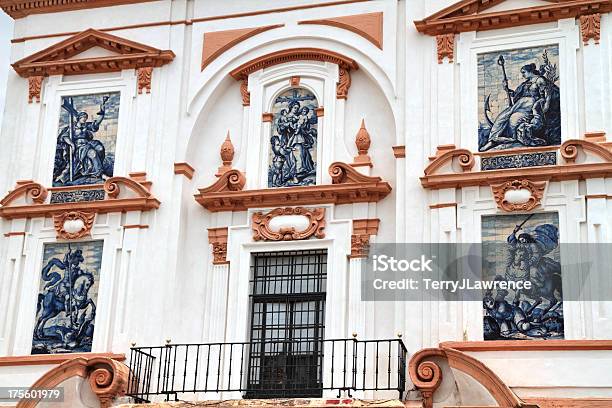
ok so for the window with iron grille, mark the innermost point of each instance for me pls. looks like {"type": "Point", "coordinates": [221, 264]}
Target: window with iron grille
{"type": "Point", "coordinates": [287, 324]}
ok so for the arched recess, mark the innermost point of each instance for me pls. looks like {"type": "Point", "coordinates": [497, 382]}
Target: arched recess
{"type": "Point", "coordinates": [107, 378]}
{"type": "Point", "coordinates": [426, 374]}
{"type": "Point", "coordinates": [206, 84]}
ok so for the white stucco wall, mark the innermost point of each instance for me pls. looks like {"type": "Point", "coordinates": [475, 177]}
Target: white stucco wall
{"type": "Point", "coordinates": [159, 283]}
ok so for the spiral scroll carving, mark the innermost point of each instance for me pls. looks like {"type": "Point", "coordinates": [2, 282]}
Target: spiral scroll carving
{"type": "Point", "coordinates": [112, 188]}
{"type": "Point", "coordinates": [569, 152]}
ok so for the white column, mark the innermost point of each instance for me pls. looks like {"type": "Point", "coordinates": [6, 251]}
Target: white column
{"type": "Point", "coordinates": [10, 288]}
{"type": "Point", "coordinates": [595, 77]}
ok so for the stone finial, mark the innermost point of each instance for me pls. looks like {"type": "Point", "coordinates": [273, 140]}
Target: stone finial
{"type": "Point", "coordinates": [227, 155]}
{"type": "Point", "coordinates": [362, 141]}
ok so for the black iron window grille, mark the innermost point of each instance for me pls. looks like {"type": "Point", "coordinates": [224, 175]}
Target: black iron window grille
{"type": "Point", "coordinates": [287, 324]}
{"type": "Point", "coordinates": [287, 355]}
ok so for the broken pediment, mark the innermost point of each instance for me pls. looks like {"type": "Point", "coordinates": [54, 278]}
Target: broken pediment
{"type": "Point", "coordinates": [91, 51]}
{"type": "Point", "coordinates": [480, 15]}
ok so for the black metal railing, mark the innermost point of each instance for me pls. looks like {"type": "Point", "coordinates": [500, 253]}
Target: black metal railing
{"type": "Point", "coordinates": [274, 369]}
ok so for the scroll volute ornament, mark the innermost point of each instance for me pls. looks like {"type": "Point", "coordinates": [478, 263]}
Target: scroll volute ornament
{"type": "Point", "coordinates": [261, 225]}
{"type": "Point", "coordinates": [506, 203]}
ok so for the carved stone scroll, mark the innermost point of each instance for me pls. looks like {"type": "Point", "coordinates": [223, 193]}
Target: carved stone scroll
{"type": "Point", "coordinates": [67, 224]}
{"type": "Point", "coordinates": [261, 225]}
{"type": "Point", "coordinates": [536, 189]}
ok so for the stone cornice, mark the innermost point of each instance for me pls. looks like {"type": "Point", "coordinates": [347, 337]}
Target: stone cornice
{"type": "Point", "coordinates": [33, 199]}
{"type": "Point", "coordinates": [348, 186]}
{"type": "Point", "coordinates": [58, 59]}
{"type": "Point", "coordinates": [467, 15]}
{"type": "Point", "coordinates": [582, 160]}
{"type": "Point", "coordinates": [293, 54]}
{"type": "Point", "coordinates": [22, 8]}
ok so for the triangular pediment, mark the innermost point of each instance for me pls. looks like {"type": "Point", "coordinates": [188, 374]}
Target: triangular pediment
{"type": "Point", "coordinates": [480, 15]}
{"type": "Point", "coordinates": [91, 51]}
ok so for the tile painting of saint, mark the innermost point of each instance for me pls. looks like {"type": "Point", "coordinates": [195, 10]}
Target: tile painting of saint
{"type": "Point", "coordinates": [519, 98]}
{"type": "Point", "coordinates": [293, 144]}
{"type": "Point", "coordinates": [68, 292]}
{"type": "Point", "coordinates": [85, 152]}
{"type": "Point", "coordinates": [524, 248]}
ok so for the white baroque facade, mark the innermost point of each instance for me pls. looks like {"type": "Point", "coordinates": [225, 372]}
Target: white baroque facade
{"type": "Point", "coordinates": [171, 211]}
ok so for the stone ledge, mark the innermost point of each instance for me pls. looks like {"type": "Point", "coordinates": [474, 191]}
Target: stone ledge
{"type": "Point", "coordinates": [288, 402]}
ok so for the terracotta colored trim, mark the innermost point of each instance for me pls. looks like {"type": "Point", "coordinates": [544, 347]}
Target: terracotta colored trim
{"type": "Point", "coordinates": [267, 117]}
{"type": "Point", "coordinates": [367, 226]}
{"type": "Point", "coordinates": [320, 111]}
{"type": "Point", "coordinates": [22, 8]}
{"type": "Point", "coordinates": [569, 171]}
{"type": "Point", "coordinates": [399, 152]}
{"type": "Point", "coordinates": [465, 16]}
{"type": "Point", "coordinates": [362, 142]}
{"type": "Point", "coordinates": [34, 88]}
{"type": "Point", "coordinates": [57, 59]}
{"type": "Point", "coordinates": [134, 226]}
{"type": "Point", "coordinates": [28, 189]}
{"type": "Point", "coordinates": [569, 150]}
{"type": "Point", "coordinates": [532, 345]}
{"type": "Point", "coordinates": [294, 81]}
{"type": "Point", "coordinates": [570, 402]}
{"type": "Point", "coordinates": [464, 157]}
{"type": "Point", "coordinates": [48, 359]}
{"type": "Point", "coordinates": [535, 188]}
{"type": "Point", "coordinates": [217, 42]}
{"type": "Point", "coordinates": [260, 224]}
{"type": "Point", "coordinates": [360, 238]}
{"type": "Point", "coordinates": [516, 151]}
{"type": "Point", "coordinates": [348, 186]}
{"type": "Point", "coordinates": [596, 137]}
{"type": "Point", "coordinates": [445, 44]}
{"type": "Point", "coordinates": [484, 375]}
{"type": "Point", "coordinates": [543, 173]}
{"type": "Point", "coordinates": [184, 169]}
{"type": "Point", "coordinates": [426, 375]}
{"type": "Point", "coordinates": [107, 378]}
{"type": "Point", "coordinates": [595, 196]}
{"type": "Point", "coordinates": [196, 20]}
{"type": "Point", "coordinates": [344, 82]}
{"type": "Point", "coordinates": [14, 234]}
{"type": "Point", "coordinates": [590, 28]}
{"type": "Point", "coordinates": [368, 25]}
{"type": "Point", "coordinates": [144, 200]}
{"type": "Point", "coordinates": [144, 76]}
{"type": "Point", "coordinates": [244, 91]}
{"type": "Point", "coordinates": [293, 54]}
{"type": "Point", "coordinates": [217, 237]}
{"type": "Point", "coordinates": [227, 155]}
{"type": "Point", "coordinates": [60, 220]}
{"type": "Point", "coordinates": [442, 205]}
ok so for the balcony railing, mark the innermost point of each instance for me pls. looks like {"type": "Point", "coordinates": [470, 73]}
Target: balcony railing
{"type": "Point", "coordinates": [274, 369]}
